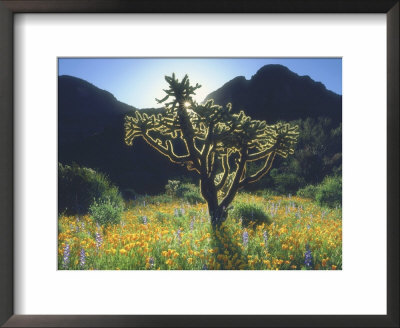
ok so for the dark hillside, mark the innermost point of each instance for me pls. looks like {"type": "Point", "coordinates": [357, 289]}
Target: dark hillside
{"type": "Point", "coordinates": [91, 134]}
{"type": "Point", "coordinates": [276, 93]}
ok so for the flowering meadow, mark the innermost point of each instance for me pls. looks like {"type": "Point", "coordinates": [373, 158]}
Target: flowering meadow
{"type": "Point", "coordinates": [157, 235]}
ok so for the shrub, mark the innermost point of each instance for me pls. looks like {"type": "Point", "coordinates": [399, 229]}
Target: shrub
{"type": "Point", "coordinates": [162, 198]}
{"type": "Point", "coordinates": [266, 193]}
{"type": "Point", "coordinates": [286, 183]}
{"type": "Point", "coordinates": [329, 192]}
{"type": "Point", "coordinates": [155, 200]}
{"type": "Point", "coordinates": [187, 191]}
{"type": "Point", "coordinates": [193, 197]}
{"type": "Point", "coordinates": [106, 212]}
{"type": "Point", "coordinates": [309, 191]}
{"type": "Point", "coordinates": [171, 187]}
{"type": "Point", "coordinates": [250, 213]}
{"type": "Point", "coordinates": [184, 188]}
{"type": "Point", "coordinates": [190, 193]}
{"type": "Point", "coordinates": [78, 187]}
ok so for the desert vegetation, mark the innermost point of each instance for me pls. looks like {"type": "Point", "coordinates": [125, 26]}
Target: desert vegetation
{"type": "Point", "coordinates": [257, 196]}
{"type": "Point", "coordinates": [165, 232]}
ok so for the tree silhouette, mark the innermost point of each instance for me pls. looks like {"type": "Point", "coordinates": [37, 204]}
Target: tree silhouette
{"type": "Point", "coordinates": [214, 142]}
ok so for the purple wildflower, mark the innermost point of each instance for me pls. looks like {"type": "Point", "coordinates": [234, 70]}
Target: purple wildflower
{"type": "Point", "coordinates": [265, 235]}
{"type": "Point", "coordinates": [67, 252]}
{"type": "Point", "coordinates": [192, 223]}
{"type": "Point", "coordinates": [99, 240]}
{"type": "Point", "coordinates": [144, 218]}
{"type": "Point", "coordinates": [178, 234]}
{"type": "Point", "coordinates": [308, 257]}
{"type": "Point", "coordinates": [245, 238]}
{"type": "Point", "coordinates": [82, 258]}
{"type": "Point", "coordinates": [151, 262]}
{"type": "Point", "coordinates": [205, 267]}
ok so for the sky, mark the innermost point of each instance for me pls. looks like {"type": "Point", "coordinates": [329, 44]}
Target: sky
{"type": "Point", "coordinates": [138, 81]}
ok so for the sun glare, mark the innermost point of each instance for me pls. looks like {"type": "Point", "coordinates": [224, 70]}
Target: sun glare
{"type": "Point", "coordinates": [187, 104]}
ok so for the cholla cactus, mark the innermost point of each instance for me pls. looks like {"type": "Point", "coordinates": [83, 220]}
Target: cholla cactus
{"type": "Point", "coordinates": [218, 143]}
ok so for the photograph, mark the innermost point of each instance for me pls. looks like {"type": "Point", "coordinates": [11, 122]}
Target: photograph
{"type": "Point", "coordinates": [144, 178]}
{"type": "Point", "coordinates": [199, 163]}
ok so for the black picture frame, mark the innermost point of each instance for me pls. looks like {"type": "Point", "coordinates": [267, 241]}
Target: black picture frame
{"type": "Point", "coordinates": [10, 7]}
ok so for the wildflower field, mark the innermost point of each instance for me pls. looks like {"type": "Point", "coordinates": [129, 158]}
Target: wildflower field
{"type": "Point", "coordinates": [164, 235]}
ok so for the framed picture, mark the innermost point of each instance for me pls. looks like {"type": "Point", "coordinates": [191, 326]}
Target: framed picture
{"type": "Point", "coordinates": [121, 210]}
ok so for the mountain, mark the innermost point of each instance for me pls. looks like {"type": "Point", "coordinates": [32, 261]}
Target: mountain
{"type": "Point", "coordinates": [91, 134]}
{"type": "Point", "coordinates": [276, 93]}
{"type": "Point", "coordinates": [85, 110]}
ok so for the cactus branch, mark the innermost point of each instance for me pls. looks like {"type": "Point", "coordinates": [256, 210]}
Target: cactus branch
{"type": "Point", "coordinates": [260, 173]}
{"type": "Point", "coordinates": [214, 139]}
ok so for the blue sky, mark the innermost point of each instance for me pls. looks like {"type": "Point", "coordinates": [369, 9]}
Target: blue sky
{"type": "Point", "coordinates": [137, 81]}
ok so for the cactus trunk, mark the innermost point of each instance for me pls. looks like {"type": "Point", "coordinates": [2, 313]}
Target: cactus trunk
{"type": "Point", "coordinates": [218, 215]}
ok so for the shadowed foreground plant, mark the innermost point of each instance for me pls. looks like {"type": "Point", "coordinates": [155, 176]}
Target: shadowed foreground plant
{"type": "Point", "coordinates": [250, 214]}
{"type": "Point", "coordinates": [106, 212]}
{"type": "Point", "coordinates": [216, 143]}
